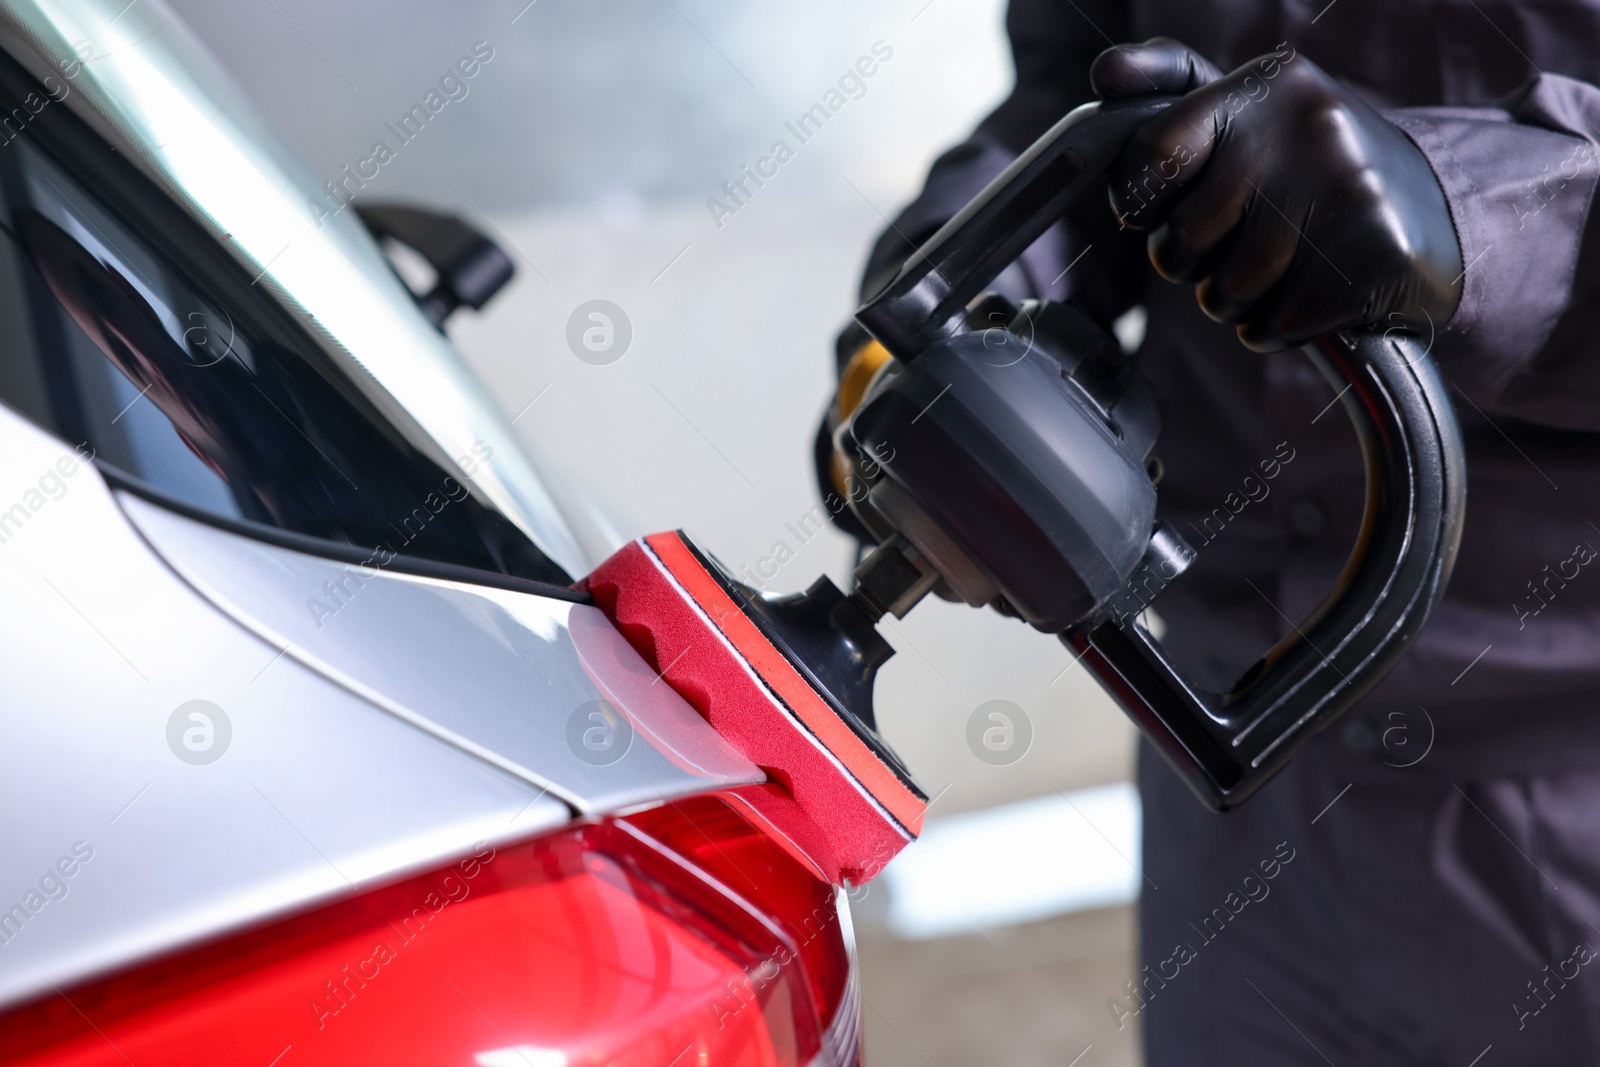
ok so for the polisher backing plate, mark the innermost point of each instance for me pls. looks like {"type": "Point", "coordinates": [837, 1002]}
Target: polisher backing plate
{"type": "Point", "coordinates": [836, 801]}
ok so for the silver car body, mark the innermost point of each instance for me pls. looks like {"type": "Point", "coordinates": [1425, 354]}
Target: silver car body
{"type": "Point", "coordinates": [415, 719]}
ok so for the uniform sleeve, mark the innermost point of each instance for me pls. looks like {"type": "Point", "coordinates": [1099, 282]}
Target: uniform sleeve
{"type": "Point", "coordinates": [1521, 180]}
{"type": "Point", "coordinates": [1053, 45]}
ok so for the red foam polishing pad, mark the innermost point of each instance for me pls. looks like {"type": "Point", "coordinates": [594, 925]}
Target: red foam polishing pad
{"type": "Point", "coordinates": [835, 800]}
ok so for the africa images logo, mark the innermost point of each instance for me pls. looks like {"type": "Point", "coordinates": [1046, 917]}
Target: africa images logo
{"type": "Point", "coordinates": [199, 732]}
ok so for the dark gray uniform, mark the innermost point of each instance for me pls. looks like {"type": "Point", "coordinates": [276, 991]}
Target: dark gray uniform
{"type": "Point", "coordinates": [1449, 897]}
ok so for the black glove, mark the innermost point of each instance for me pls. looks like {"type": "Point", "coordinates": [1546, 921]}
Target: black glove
{"type": "Point", "coordinates": [1297, 208]}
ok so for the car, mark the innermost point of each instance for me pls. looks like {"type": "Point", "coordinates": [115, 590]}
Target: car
{"type": "Point", "coordinates": [314, 752]}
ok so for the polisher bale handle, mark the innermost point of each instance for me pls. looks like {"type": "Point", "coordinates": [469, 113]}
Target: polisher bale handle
{"type": "Point", "coordinates": [1226, 745]}
{"type": "Point", "coordinates": [927, 300]}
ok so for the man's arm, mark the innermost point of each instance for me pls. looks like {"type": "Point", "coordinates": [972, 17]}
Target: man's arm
{"type": "Point", "coordinates": [1297, 209]}
{"type": "Point", "coordinates": [1521, 181]}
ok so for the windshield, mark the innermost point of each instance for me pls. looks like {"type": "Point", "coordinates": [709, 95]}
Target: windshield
{"type": "Point", "coordinates": [132, 334]}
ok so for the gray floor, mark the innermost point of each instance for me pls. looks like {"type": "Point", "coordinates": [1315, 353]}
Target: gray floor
{"type": "Point", "coordinates": [1019, 997]}
{"type": "Point", "coordinates": [590, 143]}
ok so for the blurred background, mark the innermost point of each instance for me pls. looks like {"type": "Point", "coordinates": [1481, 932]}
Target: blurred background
{"type": "Point", "coordinates": [589, 144]}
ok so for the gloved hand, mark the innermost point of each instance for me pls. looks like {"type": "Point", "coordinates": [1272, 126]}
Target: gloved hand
{"type": "Point", "coordinates": [1297, 208]}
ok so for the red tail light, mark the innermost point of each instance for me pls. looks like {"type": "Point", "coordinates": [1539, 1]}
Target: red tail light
{"type": "Point", "coordinates": [676, 937]}
{"type": "Point", "coordinates": [817, 944]}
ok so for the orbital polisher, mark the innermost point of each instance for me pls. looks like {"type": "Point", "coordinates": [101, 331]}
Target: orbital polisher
{"type": "Point", "coordinates": [1002, 455]}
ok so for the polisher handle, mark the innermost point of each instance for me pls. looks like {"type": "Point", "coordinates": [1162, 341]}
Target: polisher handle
{"type": "Point", "coordinates": [1226, 745]}
{"type": "Point", "coordinates": [927, 300]}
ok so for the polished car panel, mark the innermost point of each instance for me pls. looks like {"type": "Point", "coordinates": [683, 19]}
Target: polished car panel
{"type": "Point", "coordinates": [512, 677]}
{"type": "Point", "coordinates": [316, 793]}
